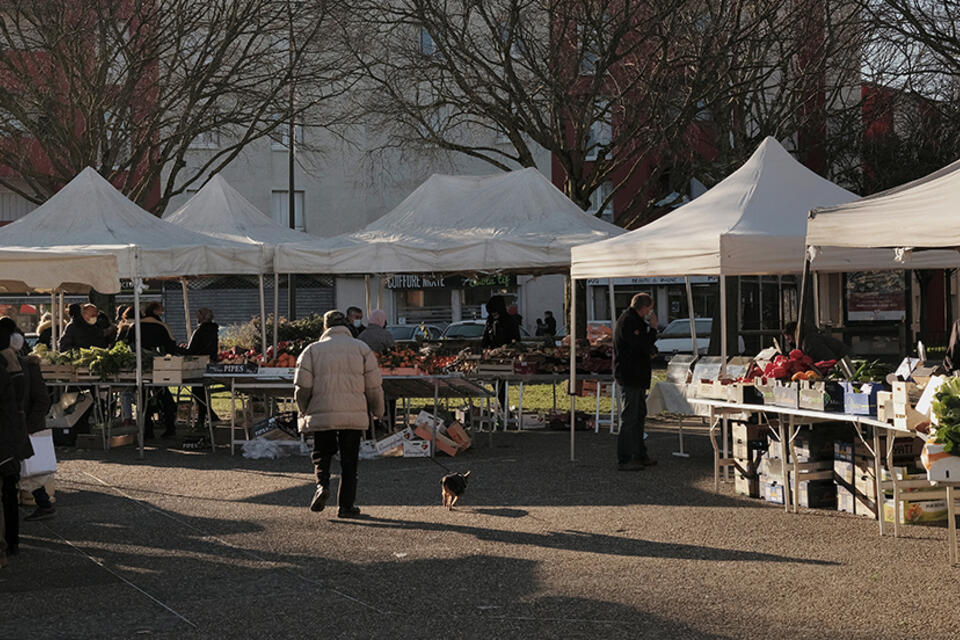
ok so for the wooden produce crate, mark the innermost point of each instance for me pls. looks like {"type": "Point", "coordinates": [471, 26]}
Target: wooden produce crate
{"type": "Point", "coordinates": [526, 367]}
{"type": "Point", "coordinates": [400, 371]}
{"type": "Point", "coordinates": [177, 369]}
{"type": "Point", "coordinates": [84, 374]}
{"type": "Point", "coordinates": [744, 393]}
{"type": "Point", "coordinates": [58, 371]}
{"type": "Point", "coordinates": [712, 390]}
{"type": "Point", "coordinates": [786, 394]}
{"type": "Point", "coordinates": [904, 414]}
{"type": "Point", "coordinates": [820, 395]}
{"type": "Point", "coordinates": [765, 388]}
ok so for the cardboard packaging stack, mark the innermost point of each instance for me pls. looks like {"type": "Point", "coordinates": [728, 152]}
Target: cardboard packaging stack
{"type": "Point", "coordinates": [855, 475]}
{"type": "Point", "coordinates": [816, 489]}
{"type": "Point", "coordinates": [417, 441]}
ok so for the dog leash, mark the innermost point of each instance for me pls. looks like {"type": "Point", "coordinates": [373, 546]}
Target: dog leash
{"type": "Point", "coordinates": [439, 464]}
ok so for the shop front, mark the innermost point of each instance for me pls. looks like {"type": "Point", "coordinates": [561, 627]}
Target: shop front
{"type": "Point", "coordinates": [440, 300]}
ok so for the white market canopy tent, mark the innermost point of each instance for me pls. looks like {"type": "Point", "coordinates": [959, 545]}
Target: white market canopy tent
{"type": "Point", "coordinates": [89, 214]}
{"type": "Point", "coordinates": [752, 223]}
{"type": "Point", "coordinates": [220, 211]}
{"type": "Point", "coordinates": [918, 214]}
{"type": "Point", "coordinates": [514, 221]}
{"type": "Point", "coordinates": [51, 271]}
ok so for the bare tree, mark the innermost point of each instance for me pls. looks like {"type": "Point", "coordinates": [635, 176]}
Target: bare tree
{"type": "Point", "coordinates": [130, 87]}
{"type": "Point", "coordinates": [612, 89]}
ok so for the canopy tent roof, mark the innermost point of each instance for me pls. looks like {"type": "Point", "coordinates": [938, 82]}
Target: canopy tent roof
{"type": "Point", "coordinates": [89, 214]}
{"type": "Point", "coordinates": [751, 223]}
{"type": "Point", "coordinates": [928, 206]}
{"type": "Point", "coordinates": [220, 211]}
{"type": "Point", "coordinates": [40, 270]}
{"type": "Point", "coordinates": [515, 221]}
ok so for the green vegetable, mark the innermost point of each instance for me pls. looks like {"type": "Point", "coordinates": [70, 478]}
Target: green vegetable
{"type": "Point", "coordinates": [946, 408]}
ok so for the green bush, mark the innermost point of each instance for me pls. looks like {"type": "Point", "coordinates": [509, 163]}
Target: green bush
{"type": "Point", "coordinates": [247, 335]}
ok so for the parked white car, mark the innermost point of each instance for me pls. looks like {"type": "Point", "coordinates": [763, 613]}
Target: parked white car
{"type": "Point", "coordinates": [675, 338]}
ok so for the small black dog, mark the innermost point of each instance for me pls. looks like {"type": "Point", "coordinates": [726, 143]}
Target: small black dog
{"type": "Point", "coordinates": [452, 487]}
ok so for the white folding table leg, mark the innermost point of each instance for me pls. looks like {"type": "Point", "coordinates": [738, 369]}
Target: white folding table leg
{"type": "Point", "coordinates": [952, 523]}
{"type": "Point", "coordinates": [876, 479]}
{"type": "Point", "coordinates": [596, 413]}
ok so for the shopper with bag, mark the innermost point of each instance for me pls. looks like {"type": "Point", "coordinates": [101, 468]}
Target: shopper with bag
{"type": "Point", "coordinates": [14, 441]}
{"type": "Point", "coordinates": [36, 404]}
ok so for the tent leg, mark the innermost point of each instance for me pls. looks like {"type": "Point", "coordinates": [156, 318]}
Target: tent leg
{"type": "Point", "coordinates": [141, 401]}
{"type": "Point", "coordinates": [276, 309]}
{"type": "Point", "coordinates": [55, 325]}
{"type": "Point", "coordinates": [380, 292]}
{"type": "Point", "coordinates": [816, 299]}
{"type": "Point", "coordinates": [723, 366]}
{"type": "Point", "coordinates": [803, 295]}
{"type": "Point", "coordinates": [691, 313]}
{"type": "Point", "coordinates": [572, 391]}
{"type": "Point", "coordinates": [613, 323]}
{"type": "Point", "coordinates": [366, 288]}
{"type": "Point", "coordinates": [263, 319]}
{"type": "Point", "coordinates": [186, 306]}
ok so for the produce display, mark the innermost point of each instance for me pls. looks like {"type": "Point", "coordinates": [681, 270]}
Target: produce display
{"type": "Point", "coordinates": [104, 363]}
{"type": "Point", "coordinates": [946, 409]}
{"type": "Point", "coordinates": [796, 366]}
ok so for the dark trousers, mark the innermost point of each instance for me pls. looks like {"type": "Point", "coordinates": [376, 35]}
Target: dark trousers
{"type": "Point", "coordinates": [325, 446]}
{"type": "Point", "coordinates": [11, 509]}
{"type": "Point", "coordinates": [200, 398]}
{"type": "Point", "coordinates": [633, 412]}
{"type": "Point", "coordinates": [42, 498]}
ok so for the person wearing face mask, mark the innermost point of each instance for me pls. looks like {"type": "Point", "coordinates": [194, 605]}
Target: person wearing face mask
{"type": "Point", "coordinates": [355, 318]}
{"type": "Point", "coordinates": [83, 332]}
{"type": "Point", "coordinates": [14, 443]}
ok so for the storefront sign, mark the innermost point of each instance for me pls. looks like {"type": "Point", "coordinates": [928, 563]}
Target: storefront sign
{"type": "Point", "coordinates": [654, 280]}
{"type": "Point", "coordinates": [876, 296]}
{"type": "Point", "coordinates": [418, 281]}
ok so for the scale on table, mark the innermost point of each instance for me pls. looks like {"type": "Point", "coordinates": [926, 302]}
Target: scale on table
{"type": "Point", "coordinates": [679, 368]}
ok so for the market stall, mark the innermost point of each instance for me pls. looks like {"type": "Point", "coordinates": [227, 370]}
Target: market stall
{"type": "Point", "coordinates": [877, 222]}
{"type": "Point", "coordinates": [90, 214]}
{"type": "Point", "coordinates": [220, 211]}
{"type": "Point", "coordinates": [515, 222]}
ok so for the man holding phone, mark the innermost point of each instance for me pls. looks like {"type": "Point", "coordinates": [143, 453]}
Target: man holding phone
{"type": "Point", "coordinates": [634, 338]}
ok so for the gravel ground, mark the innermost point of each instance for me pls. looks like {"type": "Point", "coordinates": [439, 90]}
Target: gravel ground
{"type": "Point", "coordinates": [188, 545]}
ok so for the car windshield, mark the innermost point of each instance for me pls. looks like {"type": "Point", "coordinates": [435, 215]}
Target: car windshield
{"type": "Point", "coordinates": [463, 331]}
{"type": "Point", "coordinates": [402, 332]}
{"type": "Point", "coordinates": [680, 328]}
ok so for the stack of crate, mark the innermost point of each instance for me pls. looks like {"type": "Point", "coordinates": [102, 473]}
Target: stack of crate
{"type": "Point", "coordinates": [749, 445]}
{"type": "Point", "coordinates": [816, 490]}
{"type": "Point", "coordinates": [855, 474]}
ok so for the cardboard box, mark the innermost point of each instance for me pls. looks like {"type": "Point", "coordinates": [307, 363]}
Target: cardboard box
{"type": "Point", "coordinates": [428, 419]}
{"type": "Point", "coordinates": [940, 465]}
{"type": "Point", "coordinates": [443, 443]}
{"type": "Point", "coordinates": [393, 441]}
{"type": "Point", "coordinates": [416, 449]}
{"type": "Point", "coordinates": [786, 394]}
{"type": "Point", "coordinates": [368, 450]}
{"type": "Point", "coordinates": [849, 502]}
{"type": "Point", "coordinates": [820, 395]}
{"type": "Point", "coordinates": [176, 369]}
{"type": "Point", "coordinates": [279, 427]}
{"type": "Point", "coordinates": [458, 434]}
{"type": "Point", "coordinates": [861, 399]}
{"type": "Point", "coordinates": [917, 512]}
{"type": "Point", "coordinates": [885, 412]}
{"type": "Point", "coordinates": [811, 494]}
{"type": "Point", "coordinates": [844, 474]}
{"type": "Point", "coordinates": [904, 448]}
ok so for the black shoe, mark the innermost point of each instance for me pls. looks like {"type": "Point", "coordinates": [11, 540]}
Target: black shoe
{"type": "Point", "coordinates": [352, 512]}
{"type": "Point", "coordinates": [319, 499]}
{"type": "Point", "coordinates": [630, 466]}
{"type": "Point", "coordinates": [648, 462]}
{"type": "Point", "coordinates": [41, 513]}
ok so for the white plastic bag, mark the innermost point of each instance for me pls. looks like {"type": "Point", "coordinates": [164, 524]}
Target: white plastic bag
{"type": "Point", "coordinates": [44, 458]}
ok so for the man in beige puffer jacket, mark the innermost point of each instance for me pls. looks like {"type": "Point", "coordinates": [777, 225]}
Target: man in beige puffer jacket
{"type": "Point", "coordinates": [338, 388]}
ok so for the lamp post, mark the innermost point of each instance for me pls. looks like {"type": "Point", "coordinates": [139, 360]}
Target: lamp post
{"type": "Point", "coordinates": [291, 175]}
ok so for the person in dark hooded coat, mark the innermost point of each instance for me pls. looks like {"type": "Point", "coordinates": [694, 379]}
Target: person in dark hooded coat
{"type": "Point", "coordinates": [14, 443]}
{"type": "Point", "coordinates": [502, 328]}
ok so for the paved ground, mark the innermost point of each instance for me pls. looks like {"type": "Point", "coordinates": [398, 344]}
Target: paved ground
{"type": "Point", "coordinates": [186, 545]}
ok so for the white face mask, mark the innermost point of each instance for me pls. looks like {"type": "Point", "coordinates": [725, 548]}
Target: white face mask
{"type": "Point", "coordinates": [356, 323]}
{"type": "Point", "coordinates": [16, 342]}
{"type": "Point", "coordinates": [92, 320]}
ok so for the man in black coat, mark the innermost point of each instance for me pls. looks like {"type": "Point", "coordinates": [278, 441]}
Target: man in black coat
{"type": "Point", "coordinates": [156, 336]}
{"type": "Point", "coordinates": [634, 337]}
{"type": "Point", "coordinates": [549, 324]}
{"type": "Point", "coordinates": [501, 328]}
{"type": "Point", "coordinates": [205, 341]}
{"type": "Point", "coordinates": [83, 332]}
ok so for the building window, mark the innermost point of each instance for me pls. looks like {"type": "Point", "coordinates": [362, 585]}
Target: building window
{"type": "Point", "coordinates": [281, 136]}
{"type": "Point", "coordinates": [280, 201]}
{"type": "Point", "coordinates": [597, 198]}
{"type": "Point", "coordinates": [601, 132]}
{"type": "Point", "coordinates": [206, 140]}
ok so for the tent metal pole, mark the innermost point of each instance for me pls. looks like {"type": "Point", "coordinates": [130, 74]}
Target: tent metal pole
{"type": "Point", "coordinates": [613, 357]}
{"type": "Point", "coordinates": [366, 288]}
{"type": "Point", "coordinates": [380, 292]}
{"type": "Point", "coordinates": [55, 324]}
{"type": "Point", "coordinates": [186, 306]}
{"type": "Point", "coordinates": [816, 299]}
{"type": "Point", "coordinates": [691, 312]}
{"type": "Point", "coordinates": [803, 295]}
{"type": "Point", "coordinates": [572, 391]}
{"type": "Point", "coordinates": [141, 401]}
{"type": "Point", "coordinates": [276, 308]}
{"type": "Point", "coordinates": [723, 366]}
{"type": "Point", "coordinates": [263, 319]}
